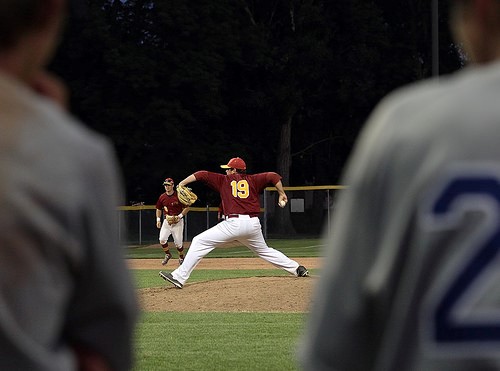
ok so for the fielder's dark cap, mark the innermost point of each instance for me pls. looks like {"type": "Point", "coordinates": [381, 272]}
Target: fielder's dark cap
{"type": "Point", "coordinates": [235, 163]}
{"type": "Point", "coordinates": [168, 181]}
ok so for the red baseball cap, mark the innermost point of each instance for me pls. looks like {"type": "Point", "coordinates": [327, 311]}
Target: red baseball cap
{"type": "Point", "coordinates": [235, 163]}
{"type": "Point", "coordinates": [168, 181]}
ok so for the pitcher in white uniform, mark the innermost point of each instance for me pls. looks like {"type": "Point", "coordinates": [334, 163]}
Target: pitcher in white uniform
{"type": "Point", "coordinates": [239, 193]}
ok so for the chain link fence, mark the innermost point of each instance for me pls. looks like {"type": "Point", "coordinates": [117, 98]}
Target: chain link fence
{"type": "Point", "coordinates": [308, 211]}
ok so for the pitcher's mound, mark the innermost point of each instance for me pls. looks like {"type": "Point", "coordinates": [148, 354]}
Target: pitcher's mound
{"type": "Point", "coordinates": [253, 294]}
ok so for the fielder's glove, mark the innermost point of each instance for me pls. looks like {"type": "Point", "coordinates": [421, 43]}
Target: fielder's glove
{"type": "Point", "coordinates": [185, 195]}
{"type": "Point", "coordinates": [172, 219]}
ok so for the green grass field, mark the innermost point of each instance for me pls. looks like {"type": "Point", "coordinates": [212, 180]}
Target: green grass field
{"type": "Point", "coordinates": [291, 248]}
{"type": "Point", "coordinates": [218, 340]}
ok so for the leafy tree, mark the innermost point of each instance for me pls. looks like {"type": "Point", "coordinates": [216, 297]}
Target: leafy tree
{"type": "Point", "coordinates": [287, 54]}
{"type": "Point", "coordinates": [181, 85]}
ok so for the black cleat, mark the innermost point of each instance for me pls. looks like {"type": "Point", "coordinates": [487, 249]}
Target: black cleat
{"type": "Point", "coordinates": [302, 271]}
{"type": "Point", "coordinates": [167, 258]}
{"type": "Point", "coordinates": [168, 277]}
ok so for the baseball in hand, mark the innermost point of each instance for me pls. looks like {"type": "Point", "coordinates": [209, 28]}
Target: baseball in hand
{"type": "Point", "coordinates": [282, 203]}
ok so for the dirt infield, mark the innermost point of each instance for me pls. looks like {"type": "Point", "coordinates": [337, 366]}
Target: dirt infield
{"type": "Point", "coordinates": [253, 294]}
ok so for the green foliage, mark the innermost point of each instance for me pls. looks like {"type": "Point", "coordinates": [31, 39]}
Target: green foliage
{"type": "Point", "coordinates": [182, 85]}
{"type": "Point", "coordinates": [218, 341]}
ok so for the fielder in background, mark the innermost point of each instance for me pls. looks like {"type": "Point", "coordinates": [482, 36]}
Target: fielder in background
{"type": "Point", "coordinates": [411, 280]}
{"type": "Point", "coordinates": [174, 212]}
{"type": "Point", "coordinates": [240, 201]}
{"type": "Point", "coordinates": [67, 301]}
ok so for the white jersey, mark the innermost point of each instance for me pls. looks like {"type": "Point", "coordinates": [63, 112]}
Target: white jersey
{"type": "Point", "coordinates": [411, 280]}
{"type": "Point", "coordinates": [63, 278]}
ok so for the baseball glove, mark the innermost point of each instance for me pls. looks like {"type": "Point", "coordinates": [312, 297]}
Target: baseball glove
{"type": "Point", "coordinates": [172, 219]}
{"type": "Point", "coordinates": [185, 195]}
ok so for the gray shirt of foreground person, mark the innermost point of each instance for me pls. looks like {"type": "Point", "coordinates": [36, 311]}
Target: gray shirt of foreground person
{"type": "Point", "coordinates": [63, 279]}
{"type": "Point", "coordinates": [411, 280]}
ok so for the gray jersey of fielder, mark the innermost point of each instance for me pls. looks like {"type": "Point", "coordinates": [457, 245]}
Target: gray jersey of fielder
{"type": "Point", "coordinates": [64, 284]}
{"type": "Point", "coordinates": [412, 276]}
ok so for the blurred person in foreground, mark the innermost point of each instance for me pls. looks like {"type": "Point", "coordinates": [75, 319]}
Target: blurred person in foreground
{"type": "Point", "coordinates": [411, 280]}
{"type": "Point", "coordinates": [66, 297]}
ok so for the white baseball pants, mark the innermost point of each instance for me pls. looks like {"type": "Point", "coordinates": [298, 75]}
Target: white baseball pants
{"type": "Point", "coordinates": [244, 229]}
{"type": "Point", "coordinates": [176, 230]}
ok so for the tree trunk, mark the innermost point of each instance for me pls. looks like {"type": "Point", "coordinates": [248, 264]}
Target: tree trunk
{"type": "Point", "coordinates": [285, 151]}
{"type": "Point", "coordinates": [284, 222]}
